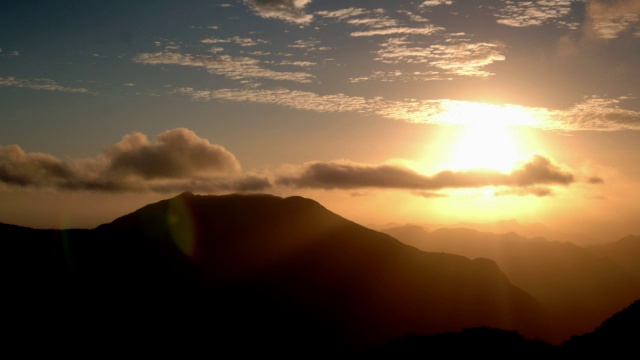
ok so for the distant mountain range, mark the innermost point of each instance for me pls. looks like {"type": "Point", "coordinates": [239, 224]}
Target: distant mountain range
{"type": "Point", "coordinates": [249, 274]}
{"type": "Point", "coordinates": [579, 286]}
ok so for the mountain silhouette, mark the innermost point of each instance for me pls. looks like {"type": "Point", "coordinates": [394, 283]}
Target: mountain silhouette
{"type": "Point", "coordinates": [616, 337]}
{"type": "Point", "coordinates": [282, 275]}
{"type": "Point", "coordinates": [578, 286]}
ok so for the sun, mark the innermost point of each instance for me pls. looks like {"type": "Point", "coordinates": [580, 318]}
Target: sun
{"type": "Point", "coordinates": [485, 146]}
{"type": "Point", "coordinates": [486, 137]}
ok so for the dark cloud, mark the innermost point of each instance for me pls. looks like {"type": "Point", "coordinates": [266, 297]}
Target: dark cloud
{"type": "Point", "coordinates": [178, 161]}
{"type": "Point", "coordinates": [535, 191]}
{"type": "Point", "coordinates": [595, 180]}
{"type": "Point", "coordinates": [34, 169]}
{"type": "Point", "coordinates": [288, 10]}
{"type": "Point", "coordinates": [178, 153]}
{"type": "Point", "coordinates": [540, 170]}
{"type": "Point", "coordinates": [333, 175]}
{"type": "Point", "coordinates": [429, 194]}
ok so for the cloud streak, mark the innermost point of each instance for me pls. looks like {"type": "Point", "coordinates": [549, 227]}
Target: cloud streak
{"type": "Point", "coordinates": [535, 13]}
{"type": "Point", "coordinates": [348, 176]}
{"type": "Point", "coordinates": [287, 10]}
{"type": "Point", "coordinates": [236, 68]}
{"type": "Point", "coordinates": [594, 114]}
{"type": "Point", "coordinates": [40, 84]}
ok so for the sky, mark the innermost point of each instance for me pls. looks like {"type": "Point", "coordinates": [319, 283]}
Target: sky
{"type": "Point", "coordinates": [420, 111]}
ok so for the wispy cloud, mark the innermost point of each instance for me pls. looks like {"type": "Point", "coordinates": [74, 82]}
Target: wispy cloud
{"type": "Point", "coordinates": [429, 3]}
{"type": "Point", "coordinates": [425, 30]}
{"type": "Point", "coordinates": [302, 100]}
{"type": "Point", "coordinates": [179, 160]}
{"type": "Point", "coordinates": [288, 10]}
{"type": "Point", "coordinates": [308, 45]}
{"type": "Point", "coordinates": [534, 13]}
{"type": "Point", "coordinates": [242, 41]}
{"type": "Point", "coordinates": [594, 114]}
{"type": "Point", "coordinates": [399, 75]}
{"type": "Point", "coordinates": [40, 84]}
{"type": "Point", "coordinates": [236, 68]}
{"type": "Point", "coordinates": [377, 23]}
{"type": "Point", "coordinates": [455, 57]}
{"type": "Point", "coordinates": [609, 19]}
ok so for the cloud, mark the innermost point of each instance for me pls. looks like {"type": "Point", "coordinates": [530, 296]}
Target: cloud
{"type": "Point", "coordinates": [236, 68]}
{"type": "Point", "coordinates": [595, 180]}
{"type": "Point", "coordinates": [534, 190]}
{"type": "Point", "coordinates": [308, 45]}
{"type": "Point", "coordinates": [347, 13]}
{"type": "Point", "coordinates": [302, 100]}
{"type": "Point", "coordinates": [288, 10]}
{"type": "Point", "coordinates": [40, 84]}
{"type": "Point", "coordinates": [594, 114]}
{"type": "Point", "coordinates": [540, 170]}
{"type": "Point", "coordinates": [377, 23]}
{"type": "Point", "coordinates": [534, 13]}
{"type": "Point", "coordinates": [177, 153]}
{"type": "Point", "coordinates": [33, 169]}
{"type": "Point", "coordinates": [347, 176]}
{"type": "Point", "coordinates": [425, 30]}
{"type": "Point", "coordinates": [236, 39]}
{"type": "Point", "coordinates": [455, 58]}
{"type": "Point", "coordinates": [399, 75]}
{"type": "Point", "coordinates": [609, 19]}
{"type": "Point", "coordinates": [436, 3]}
{"type": "Point", "coordinates": [179, 160]}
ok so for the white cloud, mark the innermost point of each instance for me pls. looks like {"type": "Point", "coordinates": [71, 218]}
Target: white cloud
{"type": "Point", "coordinates": [237, 40]}
{"type": "Point", "coordinates": [594, 114]}
{"type": "Point", "coordinates": [607, 20]}
{"type": "Point", "coordinates": [426, 30]}
{"type": "Point", "coordinates": [236, 68]}
{"type": "Point", "coordinates": [288, 10]}
{"type": "Point", "coordinates": [436, 3]}
{"type": "Point", "coordinates": [455, 58]}
{"type": "Point", "coordinates": [308, 45]}
{"type": "Point", "coordinates": [40, 84]}
{"type": "Point", "coordinates": [533, 13]}
{"type": "Point", "coordinates": [347, 13]}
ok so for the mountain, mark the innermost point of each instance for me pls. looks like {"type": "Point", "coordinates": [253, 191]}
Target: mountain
{"type": "Point", "coordinates": [257, 273]}
{"type": "Point", "coordinates": [624, 252]}
{"type": "Point", "coordinates": [617, 337]}
{"type": "Point", "coordinates": [578, 286]}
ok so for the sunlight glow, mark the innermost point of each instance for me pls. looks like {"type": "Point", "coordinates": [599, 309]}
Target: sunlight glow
{"type": "Point", "coordinates": [486, 139]}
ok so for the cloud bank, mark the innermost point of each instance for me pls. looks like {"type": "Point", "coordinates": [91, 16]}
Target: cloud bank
{"type": "Point", "coordinates": [179, 160]}
{"type": "Point", "coordinates": [539, 171]}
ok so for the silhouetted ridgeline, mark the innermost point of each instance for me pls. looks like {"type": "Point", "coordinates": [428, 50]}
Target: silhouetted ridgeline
{"type": "Point", "coordinates": [251, 274]}
{"type": "Point", "coordinates": [579, 286]}
{"type": "Point", "coordinates": [615, 338]}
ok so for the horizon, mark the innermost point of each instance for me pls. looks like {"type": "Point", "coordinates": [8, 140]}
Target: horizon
{"type": "Point", "coordinates": [416, 112]}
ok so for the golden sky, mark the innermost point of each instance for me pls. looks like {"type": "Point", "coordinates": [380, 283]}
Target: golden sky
{"type": "Point", "coordinates": [383, 111]}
